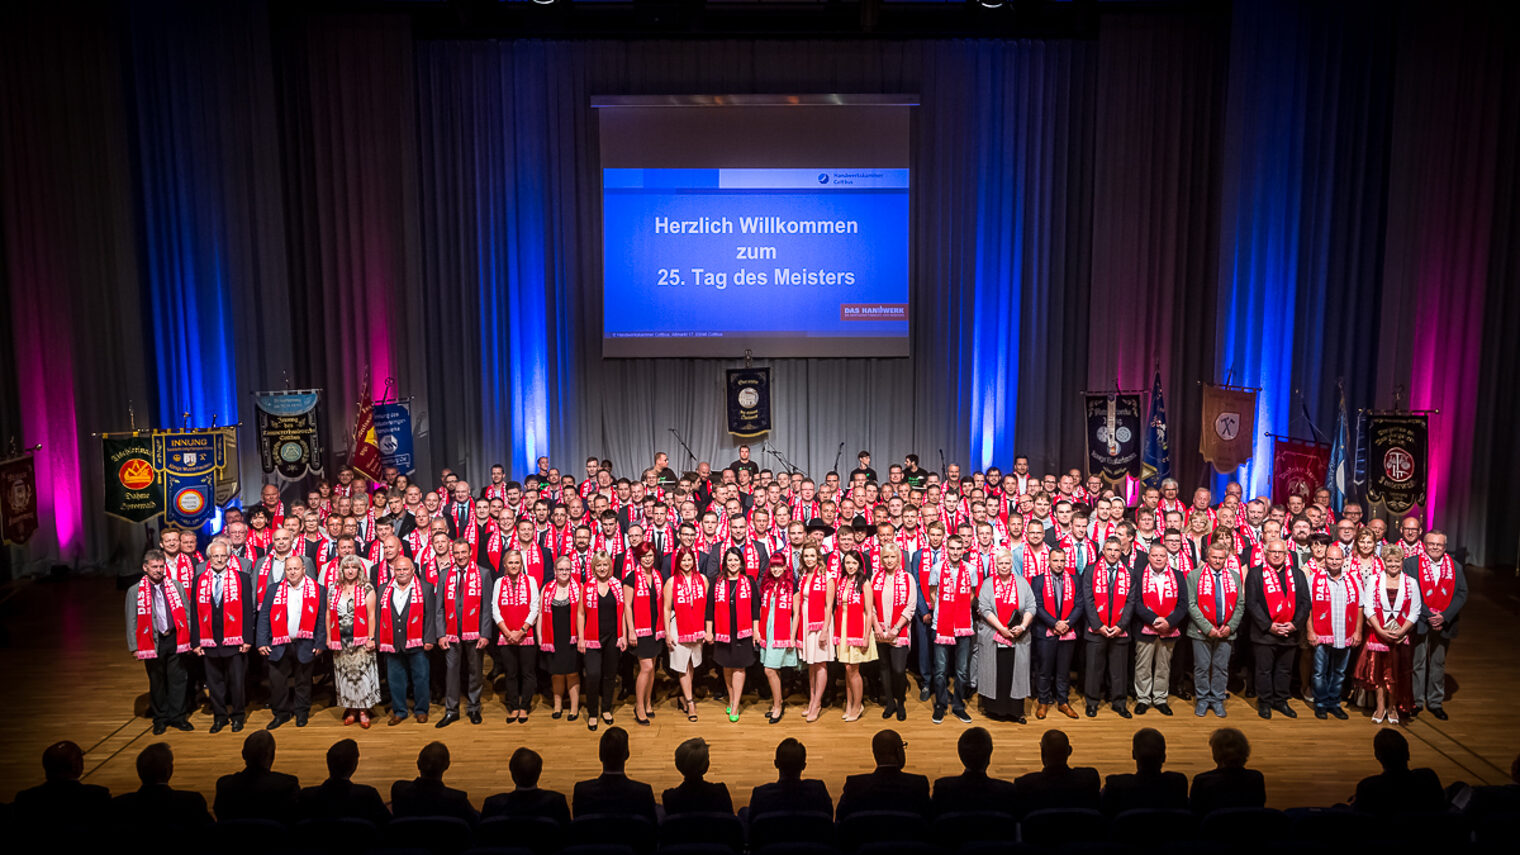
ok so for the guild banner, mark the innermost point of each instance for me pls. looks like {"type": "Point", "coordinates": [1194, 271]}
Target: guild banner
{"type": "Point", "coordinates": [364, 450]}
{"type": "Point", "coordinates": [132, 490]}
{"type": "Point", "coordinates": [749, 401]}
{"type": "Point", "coordinates": [18, 499]}
{"type": "Point", "coordinates": [1113, 437]}
{"type": "Point", "coordinates": [1229, 426]}
{"type": "Point", "coordinates": [188, 463]}
{"type": "Point", "coordinates": [289, 436]}
{"type": "Point", "coordinates": [393, 429]}
{"type": "Point", "coordinates": [1397, 460]}
{"type": "Point", "coordinates": [1157, 466]}
{"type": "Point", "coordinates": [1298, 468]}
{"type": "Point", "coordinates": [229, 477]}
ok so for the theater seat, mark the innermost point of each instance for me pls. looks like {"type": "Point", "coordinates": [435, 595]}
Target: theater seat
{"type": "Point", "coordinates": [791, 827]}
{"type": "Point", "coordinates": [1058, 827]}
{"type": "Point", "coordinates": [340, 836]}
{"type": "Point", "coordinates": [537, 834]}
{"type": "Point", "coordinates": [881, 826]}
{"type": "Point", "coordinates": [1158, 825]}
{"type": "Point", "coordinates": [1253, 827]}
{"type": "Point", "coordinates": [608, 829]}
{"type": "Point", "coordinates": [720, 828]}
{"type": "Point", "coordinates": [796, 847]}
{"type": "Point", "coordinates": [440, 835]}
{"type": "Point", "coordinates": [1334, 828]}
{"type": "Point", "coordinates": [250, 836]}
{"type": "Point", "coordinates": [954, 830]}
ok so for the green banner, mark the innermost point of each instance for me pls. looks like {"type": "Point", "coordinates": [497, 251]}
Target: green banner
{"type": "Point", "coordinates": [132, 489]}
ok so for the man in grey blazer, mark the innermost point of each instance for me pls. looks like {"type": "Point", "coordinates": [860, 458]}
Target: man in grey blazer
{"type": "Point", "coordinates": [160, 632]}
{"type": "Point", "coordinates": [1443, 593]}
{"type": "Point", "coordinates": [1216, 606]}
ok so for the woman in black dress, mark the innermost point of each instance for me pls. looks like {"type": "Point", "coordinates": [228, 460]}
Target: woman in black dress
{"type": "Point", "coordinates": [733, 621]}
{"type": "Point", "coordinates": [600, 626]}
{"type": "Point", "coordinates": [643, 626]}
{"type": "Point", "coordinates": [557, 637]}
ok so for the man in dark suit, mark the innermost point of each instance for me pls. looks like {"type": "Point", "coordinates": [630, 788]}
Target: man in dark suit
{"type": "Point", "coordinates": [61, 799]}
{"type": "Point", "coordinates": [220, 582]}
{"type": "Point", "coordinates": [613, 791]}
{"type": "Point", "coordinates": [339, 797]}
{"type": "Point", "coordinates": [888, 787]}
{"type": "Point", "coordinates": [1148, 786]}
{"type": "Point", "coordinates": [405, 650]}
{"type": "Point", "coordinates": [1277, 607]}
{"type": "Point", "coordinates": [292, 646]}
{"type": "Point", "coordinates": [1398, 790]}
{"type": "Point", "coordinates": [738, 533]}
{"type": "Point", "coordinates": [526, 799]}
{"type": "Point", "coordinates": [1057, 785]}
{"type": "Point", "coordinates": [1109, 593]}
{"type": "Point", "coordinates": [155, 806]}
{"type": "Point", "coordinates": [1229, 784]}
{"type": "Point", "coordinates": [695, 795]}
{"type": "Point", "coordinates": [973, 789]}
{"type": "Point", "coordinates": [791, 792]}
{"type": "Point", "coordinates": [1443, 593]}
{"type": "Point", "coordinates": [257, 792]}
{"type": "Point", "coordinates": [426, 795]}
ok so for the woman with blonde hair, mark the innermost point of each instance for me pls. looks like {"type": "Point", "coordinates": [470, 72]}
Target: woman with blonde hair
{"type": "Point", "coordinates": [351, 637]}
{"type": "Point", "coordinates": [816, 612]}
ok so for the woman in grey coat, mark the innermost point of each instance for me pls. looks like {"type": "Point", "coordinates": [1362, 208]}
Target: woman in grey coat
{"type": "Point", "coordinates": [1005, 609]}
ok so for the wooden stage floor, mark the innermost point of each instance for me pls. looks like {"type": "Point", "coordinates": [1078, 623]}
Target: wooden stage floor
{"type": "Point", "coordinates": [62, 645]}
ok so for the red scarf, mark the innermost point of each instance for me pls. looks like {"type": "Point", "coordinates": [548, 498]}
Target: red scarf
{"type": "Point", "coordinates": [594, 612]}
{"type": "Point", "coordinates": [1364, 571]}
{"type": "Point", "coordinates": [1320, 592]}
{"type": "Point", "coordinates": [689, 605]}
{"type": "Point", "coordinates": [494, 543]}
{"type": "Point", "coordinates": [751, 557]}
{"type": "Point", "coordinates": [260, 538]}
{"type": "Point", "coordinates": [1037, 560]}
{"type": "Point", "coordinates": [262, 577]}
{"type": "Point", "coordinates": [561, 541]}
{"type": "Point", "coordinates": [892, 611]}
{"type": "Point", "coordinates": [1401, 609]}
{"type": "Point", "coordinates": [1068, 602]}
{"type": "Point", "coordinates": [1208, 602]}
{"type": "Point", "coordinates": [1159, 593]}
{"type": "Point", "coordinates": [925, 567]}
{"type": "Point", "coordinates": [147, 648]}
{"type": "Point", "coordinates": [469, 629]}
{"type": "Point", "coordinates": [646, 606]}
{"type": "Point", "coordinates": [952, 609]}
{"type": "Point", "coordinates": [815, 588]}
{"type": "Point", "coordinates": [546, 611]}
{"type": "Point", "coordinates": [182, 570]}
{"type": "Point", "coordinates": [1107, 605]}
{"type": "Point", "coordinates": [279, 622]}
{"type": "Point", "coordinates": [776, 605]}
{"type": "Point", "coordinates": [850, 614]}
{"type": "Point", "coordinates": [1438, 582]}
{"type": "Point", "coordinates": [1182, 561]}
{"type": "Point", "coordinates": [361, 618]}
{"type": "Point", "coordinates": [744, 610]}
{"type": "Point", "coordinates": [1005, 599]}
{"type": "Point", "coordinates": [462, 517]}
{"type": "Point", "coordinates": [514, 600]}
{"type": "Point", "coordinates": [1280, 603]}
{"type": "Point", "coordinates": [232, 609]}
{"type": "Point", "coordinates": [414, 616]}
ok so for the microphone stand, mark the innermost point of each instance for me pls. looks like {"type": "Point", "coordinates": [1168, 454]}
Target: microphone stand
{"type": "Point", "coordinates": [689, 455]}
{"type": "Point", "coordinates": [838, 454]}
{"type": "Point", "coordinates": [782, 457]}
{"type": "Point", "coordinates": [943, 470]}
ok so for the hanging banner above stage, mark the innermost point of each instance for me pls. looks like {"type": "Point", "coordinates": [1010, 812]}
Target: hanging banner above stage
{"type": "Point", "coordinates": [188, 462]}
{"type": "Point", "coordinates": [1157, 463]}
{"type": "Point", "coordinates": [132, 490]}
{"type": "Point", "coordinates": [749, 401]}
{"type": "Point", "coordinates": [289, 438]}
{"type": "Point", "coordinates": [1397, 460]}
{"type": "Point", "coordinates": [1113, 437]}
{"type": "Point", "coordinates": [1229, 426]}
{"type": "Point", "coordinates": [1298, 468]}
{"type": "Point", "coordinates": [18, 499]}
{"type": "Point", "coordinates": [393, 429]}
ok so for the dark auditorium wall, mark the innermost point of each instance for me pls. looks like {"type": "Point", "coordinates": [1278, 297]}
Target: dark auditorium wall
{"type": "Point", "coordinates": [201, 199]}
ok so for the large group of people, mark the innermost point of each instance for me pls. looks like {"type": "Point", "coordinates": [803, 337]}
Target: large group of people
{"type": "Point", "coordinates": [988, 586]}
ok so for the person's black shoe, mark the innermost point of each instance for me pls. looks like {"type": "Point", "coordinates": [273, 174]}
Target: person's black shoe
{"type": "Point", "coordinates": [1439, 713]}
{"type": "Point", "coordinates": [1122, 710]}
{"type": "Point", "coordinates": [1282, 707]}
{"type": "Point", "coordinates": [888, 710]}
{"type": "Point", "coordinates": [939, 716]}
{"type": "Point", "coordinates": [276, 722]}
{"type": "Point", "coordinates": [1163, 709]}
{"type": "Point", "coordinates": [1415, 712]}
{"type": "Point", "coordinates": [217, 724]}
{"type": "Point", "coordinates": [964, 716]}
{"type": "Point", "coordinates": [1020, 719]}
{"type": "Point", "coordinates": [1321, 715]}
{"type": "Point", "coordinates": [1141, 707]}
{"type": "Point", "coordinates": [475, 717]}
{"type": "Point", "coordinates": [300, 720]}
{"type": "Point", "coordinates": [237, 724]}
{"type": "Point", "coordinates": [1184, 694]}
{"type": "Point", "coordinates": [923, 693]}
{"type": "Point", "coordinates": [902, 713]}
{"type": "Point", "coordinates": [1264, 710]}
{"type": "Point", "coordinates": [1092, 710]}
{"type": "Point", "coordinates": [448, 719]}
{"type": "Point", "coordinates": [182, 725]}
{"type": "Point", "coordinates": [1339, 713]}
{"type": "Point", "coordinates": [159, 727]}
{"type": "Point", "coordinates": [1249, 693]}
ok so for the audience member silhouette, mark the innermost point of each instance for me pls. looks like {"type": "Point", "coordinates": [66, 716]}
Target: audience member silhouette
{"type": "Point", "coordinates": [339, 797]}
{"type": "Point", "coordinates": [613, 791]}
{"type": "Point", "coordinates": [888, 787]}
{"type": "Point", "coordinates": [695, 795]}
{"type": "Point", "coordinates": [426, 795]}
{"type": "Point", "coordinates": [1147, 786]}
{"type": "Point", "coordinates": [1398, 790]}
{"type": "Point", "coordinates": [1057, 784]}
{"type": "Point", "coordinates": [257, 792]}
{"type": "Point", "coordinates": [155, 808]}
{"type": "Point", "coordinates": [1229, 784]}
{"type": "Point", "coordinates": [61, 799]}
{"type": "Point", "coordinates": [973, 790]}
{"type": "Point", "coordinates": [790, 791]}
{"type": "Point", "coordinates": [526, 799]}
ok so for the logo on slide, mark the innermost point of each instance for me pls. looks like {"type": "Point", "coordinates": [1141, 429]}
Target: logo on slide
{"type": "Point", "coordinates": [823, 178]}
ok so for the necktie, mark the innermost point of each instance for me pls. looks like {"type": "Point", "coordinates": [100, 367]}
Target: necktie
{"type": "Point", "coordinates": [1055, 583]}
{"type": "Point", "coordinates": [1219, 596]}
{"type": "Point", "coordinates": [659, 541]}
{"type": "Point", "coordinates": [160, 609]}
{"type": "Point", "coordinates": [216, 587]}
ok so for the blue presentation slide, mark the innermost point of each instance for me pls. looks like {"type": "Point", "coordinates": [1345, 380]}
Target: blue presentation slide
{"type": "Point", "coordinates": [755, 253]}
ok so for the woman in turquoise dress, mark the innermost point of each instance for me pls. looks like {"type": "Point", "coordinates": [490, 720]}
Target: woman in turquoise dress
{"type": "Point", "coordinates": [779, 615]}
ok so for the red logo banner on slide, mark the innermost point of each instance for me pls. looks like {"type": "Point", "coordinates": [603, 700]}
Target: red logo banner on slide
{"type": "Point", "coordinates": [1298, 468]}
